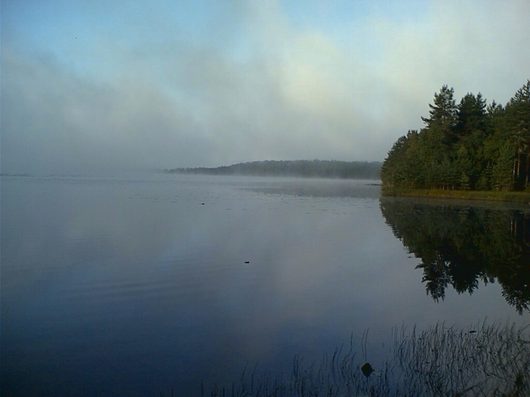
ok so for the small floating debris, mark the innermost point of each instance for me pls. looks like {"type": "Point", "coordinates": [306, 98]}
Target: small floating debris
{"type": "Point", "coordinates": [367, 369]}
{"type": "Point", "coordinates": [202, 203]}
{"type": "Point", "coordinates": [472, 331]}
{"type": "Point", "coordinates": [247, 262]}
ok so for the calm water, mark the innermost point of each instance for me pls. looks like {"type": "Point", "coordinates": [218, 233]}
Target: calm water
{"type": "Point", "coordinates": [135, 286]}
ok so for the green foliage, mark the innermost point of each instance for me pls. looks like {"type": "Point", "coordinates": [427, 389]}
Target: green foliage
{"type": "Point", "coordinates": [502, 167]}
{"type": "Point", "coordinates": [443, 113]}
{"type": "Point", "coordinates": [469, 146]}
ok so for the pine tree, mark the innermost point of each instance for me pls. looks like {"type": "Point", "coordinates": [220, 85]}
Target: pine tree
{"type": "Point", "coordinates": [518, 123]}
{"type": "Point", "coordinates": [469, 146]}
{"type": "Point", "coordinates": [442, 114]}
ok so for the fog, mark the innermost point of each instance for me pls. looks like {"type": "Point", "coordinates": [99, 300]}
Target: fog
{"type": "Point", "coordinates": [101, 88]}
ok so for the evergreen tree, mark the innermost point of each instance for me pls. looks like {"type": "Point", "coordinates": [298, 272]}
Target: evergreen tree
{"type": "Point", "coordinates": [470, 146]}
{"type": "Point", "coordinates": [471, 115]}
{"type": "Point", "coordinates": [518, 124]}
{"type": "Point", "coordinates": [442, 114]}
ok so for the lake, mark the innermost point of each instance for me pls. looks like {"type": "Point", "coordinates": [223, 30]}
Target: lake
{"type": "Point", "coordinates": [138, 285]}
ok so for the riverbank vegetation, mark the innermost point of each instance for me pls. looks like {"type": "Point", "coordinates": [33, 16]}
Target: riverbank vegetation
{"type": "Point", "coordinates": [301, 168]}
{"type": "Point", "coordinates": [470, 146]}
{"type": "Point", "coordinates": [487, 360]}
{"type": "Point", "coordinates": [521, 197]}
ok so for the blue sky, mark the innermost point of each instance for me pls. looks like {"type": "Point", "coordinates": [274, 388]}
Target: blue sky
{"type": "Point", "coordinates": [99, 85]}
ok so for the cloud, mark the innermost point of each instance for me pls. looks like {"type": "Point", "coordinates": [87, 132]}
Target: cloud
{"type": "Point", "coordinates": [54, 121]}
{"type": "Point", "coordinates": [256, 86]}
{"type": "Point", "coordinates": [472, 48]}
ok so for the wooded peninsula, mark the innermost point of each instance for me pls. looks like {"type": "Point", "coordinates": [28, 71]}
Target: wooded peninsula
{"type": "Point", "coordinates": [297, 168]}
{"type": "Point", "coordinates": [469, 146]}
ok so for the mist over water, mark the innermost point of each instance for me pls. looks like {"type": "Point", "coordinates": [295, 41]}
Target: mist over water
{"type": "Point", "coordinates": [142, 284]}
{"type": "Point", "coordinates": [98, 87]}
{"type": "Point", "coordinates": [118, 279]}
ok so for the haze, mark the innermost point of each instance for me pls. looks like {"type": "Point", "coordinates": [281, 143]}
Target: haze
{"type": "Point", "coordinates": [103, 86]}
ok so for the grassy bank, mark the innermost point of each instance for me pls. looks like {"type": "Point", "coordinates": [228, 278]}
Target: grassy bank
{"type": "Point", "coordinates": [517, 197]}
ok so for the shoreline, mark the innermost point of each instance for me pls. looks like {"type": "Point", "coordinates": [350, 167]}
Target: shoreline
{"type": "Point", "coordinates": [471, 195]}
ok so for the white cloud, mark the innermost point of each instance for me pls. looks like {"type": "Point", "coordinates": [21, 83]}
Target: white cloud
{"type": "Point", "coordinates": [267, 90]}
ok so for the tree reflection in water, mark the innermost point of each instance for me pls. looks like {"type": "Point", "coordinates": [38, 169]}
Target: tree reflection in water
{"type": "Point", "coordinates": [462, 246]}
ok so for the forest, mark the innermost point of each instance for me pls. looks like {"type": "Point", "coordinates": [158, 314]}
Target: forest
{"type": "Point", "coordinates": [301, 168]}
{"type": "Point", "coordinates": [469, 145]}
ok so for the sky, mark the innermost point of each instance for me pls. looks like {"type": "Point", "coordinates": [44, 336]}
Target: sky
{"type": "Point", "coordinates": [100, 86]}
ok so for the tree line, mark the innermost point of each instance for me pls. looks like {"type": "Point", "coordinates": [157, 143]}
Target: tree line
{"type": "Point", "coordinates": [302, 168]}
{"type": "Point", "coordinates": [471, 145]}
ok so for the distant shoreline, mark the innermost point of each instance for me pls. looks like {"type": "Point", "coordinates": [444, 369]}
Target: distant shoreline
{"type": "Point", "coordinates": [293, 168]}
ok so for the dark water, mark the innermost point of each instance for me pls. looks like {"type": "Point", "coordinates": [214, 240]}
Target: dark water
{"type": "Point", "coordinates": [133, 286]}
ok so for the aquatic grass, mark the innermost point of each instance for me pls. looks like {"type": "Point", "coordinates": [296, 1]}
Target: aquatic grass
{"type": "Point", "coordinates": [486, 360]}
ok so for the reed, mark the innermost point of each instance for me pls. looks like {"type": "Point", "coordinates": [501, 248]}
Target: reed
{"type": "Point", "coordinates": [488, 360]}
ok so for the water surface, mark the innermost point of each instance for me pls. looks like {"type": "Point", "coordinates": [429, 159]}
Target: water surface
{"type": "Point", "coordinates": [134, 286]}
